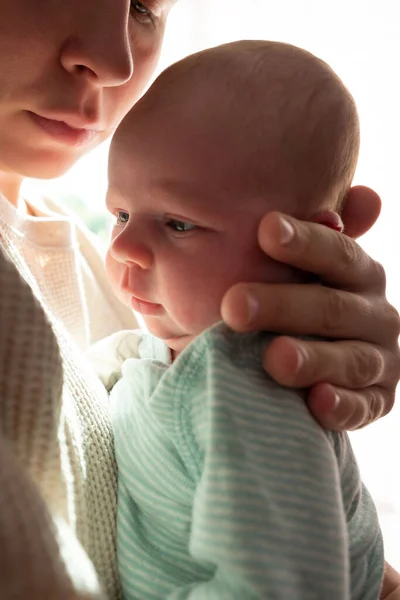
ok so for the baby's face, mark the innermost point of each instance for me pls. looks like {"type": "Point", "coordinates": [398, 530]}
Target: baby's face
{"type": "Point", "coordinates": [184, 230]}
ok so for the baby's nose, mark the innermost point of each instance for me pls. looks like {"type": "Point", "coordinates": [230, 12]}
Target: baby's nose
{"type": "Point", "coordinates": [125, 249]}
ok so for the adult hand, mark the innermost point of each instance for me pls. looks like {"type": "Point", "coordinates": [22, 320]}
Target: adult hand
{"type": "Point", "coordinates": [351, 379]}
{"type": "Point", "coordinates": [391, 584]}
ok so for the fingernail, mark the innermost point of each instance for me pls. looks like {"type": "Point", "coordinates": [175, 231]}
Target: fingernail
{"type": "Point", "coordinates": [252, 307]}
{"type": "Point", "coordinates": [286, 231]}
{"type": "Point", "coordinates": [301, 357]}
{"type": "Point", "coordinates": [336, 401]}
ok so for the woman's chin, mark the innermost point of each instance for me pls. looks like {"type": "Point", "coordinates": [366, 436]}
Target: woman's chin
{"type": "Point", "coordinates": [46, 164]}
{"type": "Point", "coordinates": [40, 162]}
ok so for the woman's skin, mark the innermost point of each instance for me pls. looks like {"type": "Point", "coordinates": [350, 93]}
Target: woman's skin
{"type": "Point", "coordinates": [85, 62]}
{"type": "Point", "coordinates": [352, 381]}
{"type": "Point", "coordinates": [69, 72]}
{"type": "Point", "coordinates": [81, 62]}
{"type": "Point", "coordinates": [391, 584]}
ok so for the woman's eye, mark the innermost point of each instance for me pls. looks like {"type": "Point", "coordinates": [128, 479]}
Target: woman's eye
{"type": "Point", "coordinates": [180, 226]}
{"type": "Point", "coordinates": [141, 13]}
{"type": "Point", "coordinates": [121, 217]}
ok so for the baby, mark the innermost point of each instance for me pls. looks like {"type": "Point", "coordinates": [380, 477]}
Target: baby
{"type": "Point", "coordinates": [227, 486]}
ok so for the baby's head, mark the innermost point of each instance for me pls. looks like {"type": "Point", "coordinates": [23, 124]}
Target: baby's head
{"type": "Point", "coordinates": [220, 139]}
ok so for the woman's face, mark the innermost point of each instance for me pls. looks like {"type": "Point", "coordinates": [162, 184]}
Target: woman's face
{"type": "Point", "coordinates": [69, 71]}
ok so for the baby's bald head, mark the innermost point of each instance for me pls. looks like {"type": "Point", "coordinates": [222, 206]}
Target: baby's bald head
{"type": "Point", "coordinates": [266, 118]}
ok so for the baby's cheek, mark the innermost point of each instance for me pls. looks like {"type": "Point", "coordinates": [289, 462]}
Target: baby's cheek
{"type": "Point", "coordinates": [199, 309]}
{"type": "Point", "coordinates": [284, 274]}
{"type": "Point", "coordinates": [113, 270]}
{"type": "Point", "coordinates": [195, 290]}
{"type": "Point", "coordinates": [259, 268]}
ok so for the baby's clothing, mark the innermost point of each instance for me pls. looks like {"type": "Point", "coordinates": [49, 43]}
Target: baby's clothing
{"type": "Point", "coordinates": [228, 488]}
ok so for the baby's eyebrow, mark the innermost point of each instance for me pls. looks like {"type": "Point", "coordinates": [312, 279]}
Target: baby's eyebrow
{"type": "Point", "coordinates": [183, 202]}
{"type": "Point", "coordinates": [175, 193]}
{"type": "Point", "coordinates": [174, 187]}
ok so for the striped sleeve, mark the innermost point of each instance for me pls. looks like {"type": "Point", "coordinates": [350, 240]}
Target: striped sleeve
{"type": "Point", "coordinates": [231, 489]}
{"type": "Point", "coordinates": [268, 510]}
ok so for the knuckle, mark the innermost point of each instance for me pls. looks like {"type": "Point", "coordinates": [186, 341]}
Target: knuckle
{"type": "Point", "coordinates": [350, 412]}
{"type": "Point", "coordinates": [393, 322]}
{"type": "Point", "coordinates": [334, 308]}
{"type": "Point", "coordinates": [373, 407]}
{"type": "Point", "coordinates": [365, 366]}
{"type": "Point", "coordinates": [349, 253]}
{"type": "Point", "coordinates": [378, 274]}
{"type": "Point", "coordinates": [388, 400]}
{"type": "Point", "coordinates": [392, 373]}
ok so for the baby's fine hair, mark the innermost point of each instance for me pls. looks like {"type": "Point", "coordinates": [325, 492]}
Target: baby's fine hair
{"type": "Point", "coordinates": [295, 120]}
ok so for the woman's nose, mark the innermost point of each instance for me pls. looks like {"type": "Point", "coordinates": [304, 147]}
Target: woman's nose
{"type": "Point", "coordinates": [101, 47]}
{"type": "Point", "coordinates": [128, 249]}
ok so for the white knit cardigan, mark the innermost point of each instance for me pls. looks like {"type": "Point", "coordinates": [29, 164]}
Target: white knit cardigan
{"type": "Point", "coordinates": [57, 468]}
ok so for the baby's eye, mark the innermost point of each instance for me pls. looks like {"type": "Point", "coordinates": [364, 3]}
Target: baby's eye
{"type": "Point", "coordinates": [141, 13]}
{"type": "Point", "coordinates": [180, 226]}
{"type": "Point", "coordinates": [121, 217]}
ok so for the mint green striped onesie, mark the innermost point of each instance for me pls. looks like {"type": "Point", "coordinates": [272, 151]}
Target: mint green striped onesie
{"type": "Point", "coordinates": [228, 489]}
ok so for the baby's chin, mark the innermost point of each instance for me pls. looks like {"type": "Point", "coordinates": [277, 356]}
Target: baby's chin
{"type": "Point", "coordinates": [175, 340]}
{"type": "Point", "coordinates": [177, 344]}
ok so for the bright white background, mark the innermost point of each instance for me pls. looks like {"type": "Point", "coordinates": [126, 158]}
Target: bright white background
{"type": "Point", "coordinates": [360, 39]}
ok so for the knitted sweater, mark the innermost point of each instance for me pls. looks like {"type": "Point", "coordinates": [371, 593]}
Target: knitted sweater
{"type": "Point", "coordinates": [57, 469]}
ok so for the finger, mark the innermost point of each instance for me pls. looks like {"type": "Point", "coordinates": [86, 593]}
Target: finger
{"type": "Point", "coordinates": [359, 379]}
{"type": "Point", "coordinates": [360, 211]}
{"type": "Point", "coordinates": [353, 365]}
{"type": "Point", "coordinates": [391, 584]}
{"type": "Point", "coordinates": [301, 309]}
{"type": "Point", "coordinates": [340, 409]}
{"type": "Point", "coordinates": [336, 258]}
{"type": "Point", "coordinates": [393, 595]}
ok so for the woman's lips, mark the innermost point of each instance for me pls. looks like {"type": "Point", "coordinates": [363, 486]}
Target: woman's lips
{"type": "Point", "coordinates": [62, 132]}
{"type": "Point", "coordinates": [145, 308]}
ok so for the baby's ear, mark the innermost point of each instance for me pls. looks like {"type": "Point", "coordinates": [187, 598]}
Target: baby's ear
{"type": "Point", "coordinates": [329, 218]}
{"type": "Point", "coordinates": [361, 209]}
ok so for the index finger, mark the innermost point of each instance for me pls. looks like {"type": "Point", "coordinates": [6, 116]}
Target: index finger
{"type": "Point", "coordinates": [337, 259]}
